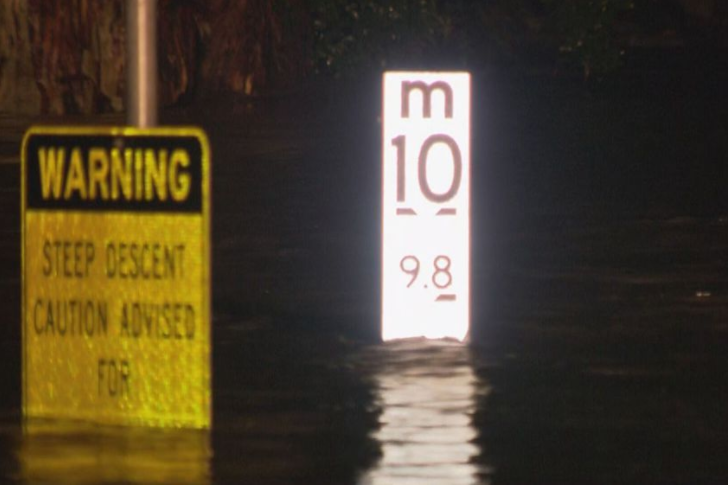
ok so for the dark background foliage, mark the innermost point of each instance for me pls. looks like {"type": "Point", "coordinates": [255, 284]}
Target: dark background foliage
{"type": "Point", "coordinates": [60, 56]}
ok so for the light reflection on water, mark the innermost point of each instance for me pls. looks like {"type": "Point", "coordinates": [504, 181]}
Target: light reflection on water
{"type": "Point", "coordinates": [66, 452]}
{"type": "Point", "coordinates": [427, 392]}
{"type": "Point", "coordinates": [426, 395]}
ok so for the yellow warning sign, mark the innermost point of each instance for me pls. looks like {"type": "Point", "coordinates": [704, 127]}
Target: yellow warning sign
{"type": "Point", "coordinates": [116, 282]}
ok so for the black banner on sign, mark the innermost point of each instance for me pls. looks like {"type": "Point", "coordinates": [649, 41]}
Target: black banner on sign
{"type": "Point", "coordinates": [108, 172]}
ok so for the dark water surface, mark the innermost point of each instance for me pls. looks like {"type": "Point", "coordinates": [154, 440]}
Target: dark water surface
{"type": "Point", "coordinates": [599, 349]}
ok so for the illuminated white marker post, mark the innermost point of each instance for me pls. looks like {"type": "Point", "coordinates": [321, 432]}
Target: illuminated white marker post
{"type": "Point", "coordinates": [426, 205]}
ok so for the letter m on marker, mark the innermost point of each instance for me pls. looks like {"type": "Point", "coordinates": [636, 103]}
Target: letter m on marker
{"type": "Point", "coordinates": [426, 90]}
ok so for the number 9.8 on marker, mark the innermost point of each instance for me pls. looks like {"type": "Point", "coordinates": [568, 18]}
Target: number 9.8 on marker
{"type": "Point", "coordinates": [441, 277]}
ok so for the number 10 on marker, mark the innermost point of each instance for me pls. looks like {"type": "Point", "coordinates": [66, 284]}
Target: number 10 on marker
{"type": "Point", "coordinates": [426, 205]}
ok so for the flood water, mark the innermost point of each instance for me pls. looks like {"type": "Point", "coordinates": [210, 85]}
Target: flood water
{"type": "Point", "coordinates": [428, 393]}
{"type": "Point", "coordinates": [599, 344]}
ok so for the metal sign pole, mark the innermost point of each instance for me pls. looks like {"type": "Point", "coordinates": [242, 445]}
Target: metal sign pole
{"type": "Point", "coordinates": [141, 47]}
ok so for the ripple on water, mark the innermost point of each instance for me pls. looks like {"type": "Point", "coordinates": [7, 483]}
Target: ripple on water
{"type": "Point", "coordinates": [427, 391]}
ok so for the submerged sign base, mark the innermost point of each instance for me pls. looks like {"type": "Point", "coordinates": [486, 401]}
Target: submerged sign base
{"type": "Point", "coordinates": [116, 259]}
